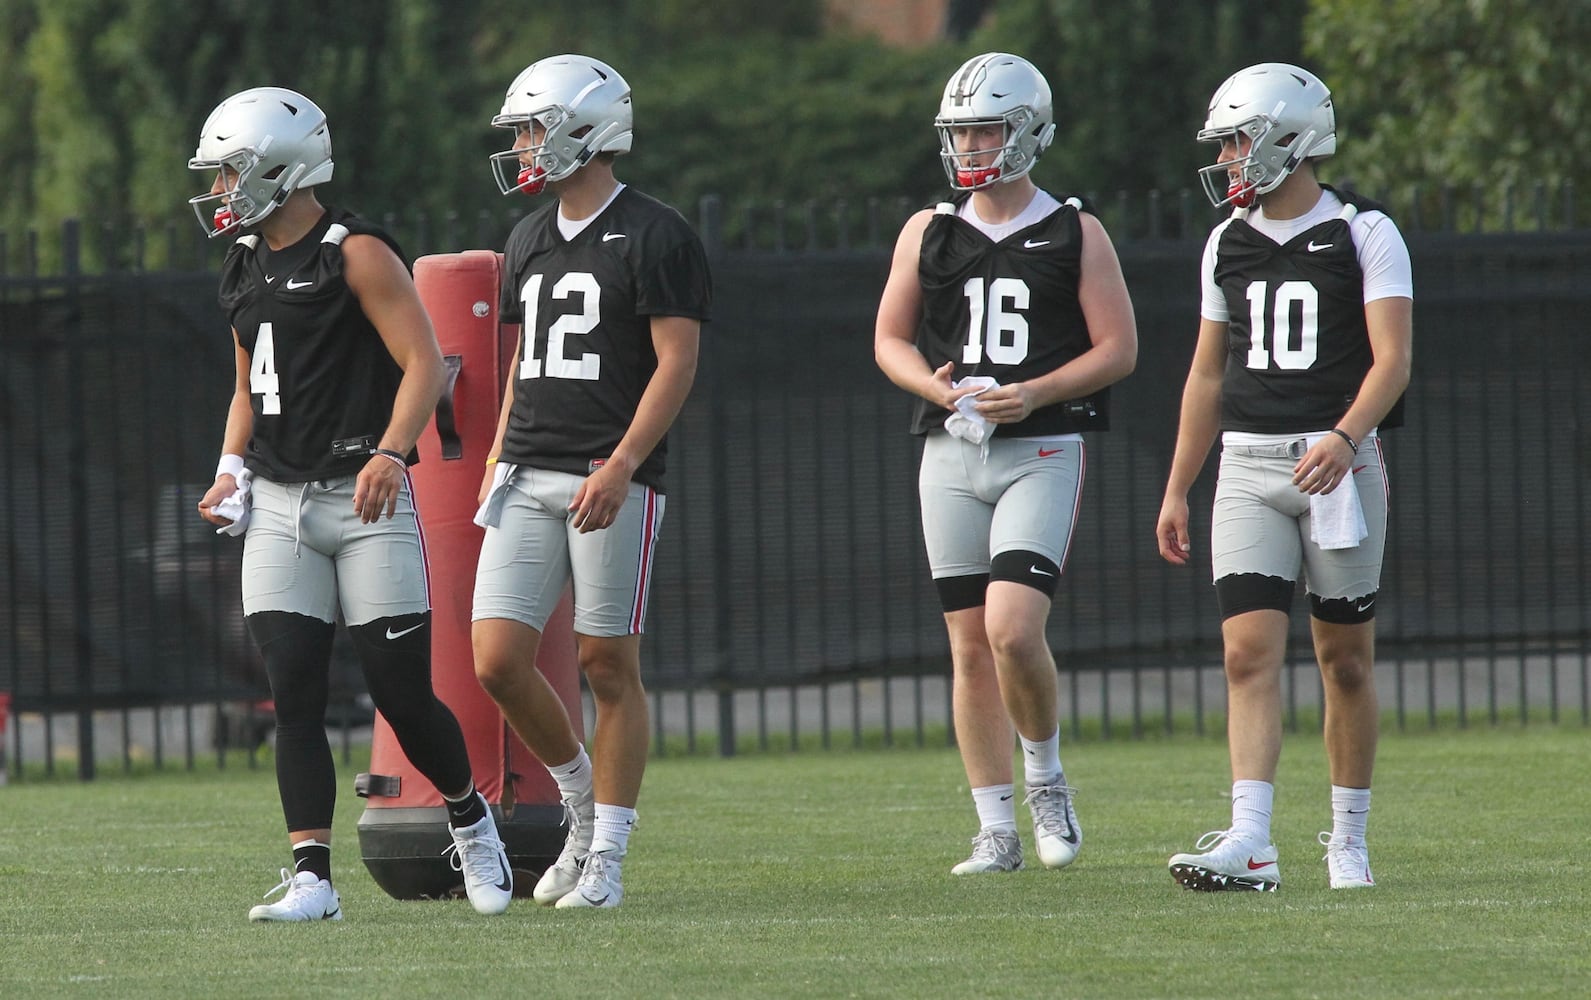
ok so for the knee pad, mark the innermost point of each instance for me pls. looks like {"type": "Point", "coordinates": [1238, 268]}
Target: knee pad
{"type": "Point", "coordinates": [1027, 568]}
{"type": "Point", "coordinates": [1344, 610]}
{"type": "Point", "coordinates": [958, 593]}
{"type": "Point", "coordinates": [1240, 593]}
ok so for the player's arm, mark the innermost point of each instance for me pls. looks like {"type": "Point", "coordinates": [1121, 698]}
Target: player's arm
{"type": "Point", "coordinates": [1112, 331]}
{"type": "Point", "coordinates": [1197, 427]}
{"type": "Point", "coordinates": [388, 297]}
{"type": "Point", "coordinates": [899, 311]}
{"type": "Point", "coordinates": [677, 341]}
{"type": "Point", "coordinates": [239, 427]}
{"type": "Point", "coordinates": [1330, 462]}
{"type": "Point", "coordinates": [1391, 325]}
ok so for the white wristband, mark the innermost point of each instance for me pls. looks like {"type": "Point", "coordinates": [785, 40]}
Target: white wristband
{"type": "Point", "coordinates": [230, 465]}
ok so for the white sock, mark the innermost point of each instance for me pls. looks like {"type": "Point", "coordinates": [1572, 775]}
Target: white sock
{"type": "Point", "coordinates": [1350, 808]}
{"type": "Point", "coordinates": [1251, 810]}
{"type": "Point", "coordinates": [612, 830]}
{"type": "Point", "coordinates": [573, 777]}
{"type": "Point", "coordinates": [1041, 761]}
{"type": "Point", "coordinates": [996, 807]}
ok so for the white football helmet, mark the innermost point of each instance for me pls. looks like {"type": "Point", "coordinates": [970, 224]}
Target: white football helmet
{"type": "Point", "coordinates": [995, 87]}
{"type": "Point", "coordinates": [273, 141]}
{"type": "Point", "coordinates": [1286, 114]}
{"type": "Point", "coordinates": [583, 108]}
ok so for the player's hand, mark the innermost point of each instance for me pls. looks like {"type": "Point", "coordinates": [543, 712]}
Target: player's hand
{"type": "Point", "coordinates": [1171, 532]}
{"type": "Point", "coordinates": [225, 485]}
{"type": "Point", "coordinates": [377, 489]}
{"type": "Point", "coordinates": [486, 484]}
{"type": "Point", "coordinates": [597, 502]}
{"type": "Point", "coordinates": [942, 390]}
{"type": "Point", "coordinates": [1325, 466]}
{"type": "Point", "coordinates": [1006, 404]}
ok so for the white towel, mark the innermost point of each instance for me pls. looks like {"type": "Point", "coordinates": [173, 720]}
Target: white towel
{"type": "Point", "coordinates": [1337, 521]}
{"type": "Point", "coordinates": [967, 423]}
{"type": "Point", "coordinates": [236, 506]}
{"type": "Point", "coordinates": [490, 511]}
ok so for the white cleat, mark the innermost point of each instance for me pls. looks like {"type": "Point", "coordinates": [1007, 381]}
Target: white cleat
{"type": "Point", "coordinates": [560, 879]}
{"type": "Point", "coordinates": [1227, 863]}
{"type": "Point", "coordinates": [309, 897]}
{"type": "Point", "coordinates": [1347, 862]}
{"type": "Point", "coordinates": [1056, 835]}
{"type": "Point", "coordinates": [992, 851]}
{"type": "Point", "coordinates": [599, 886]}
{"type": "Point", "coordinates": [479, 855]}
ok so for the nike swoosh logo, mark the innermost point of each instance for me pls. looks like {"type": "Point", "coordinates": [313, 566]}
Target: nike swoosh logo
{"type": "Point", "coordinates": [507, 882]}
{"type": "Point", "coordinates": [398, 635]}
{"type": "Point", "coordinates": [1046, 453]}
{"type": "Point", "coordinates": [1366, 606]}
{"type": "Point", "coordinates": [1006, 798]}
{"type": "Point", "coordinates": [291, 284]}
{"type": "Point", "coordinates": [270, 278]}
{"type": "Point", "coordinates": [1314, 247]}
{"type": "Point", "coordinates": [1040, 572]}
{"type": "Point", "coordinates": [1359, 469]}
{"type": "Point", "coordinates": [1255, 866]}
{"type": "Point", "coordinates": [612, 236]}
{"type": "Point", "coordinates": [1034, 244]}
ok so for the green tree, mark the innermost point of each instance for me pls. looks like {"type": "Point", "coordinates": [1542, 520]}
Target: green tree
{"type": "Point", "coordinates": [1488, 96]}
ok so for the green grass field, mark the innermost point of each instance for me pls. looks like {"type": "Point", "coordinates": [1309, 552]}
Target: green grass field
{"type": "Point", "coordinates": [826, 875]}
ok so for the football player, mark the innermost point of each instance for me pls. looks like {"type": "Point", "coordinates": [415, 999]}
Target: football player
{"type": "Point", "coordinates": [1304, 346]}
{"type": "Point", "coordinates": [611, 287]}
{"type": "Point", "coordinates": [338, 371]}
{"type": "Point", "coordinates": [1006, 314]}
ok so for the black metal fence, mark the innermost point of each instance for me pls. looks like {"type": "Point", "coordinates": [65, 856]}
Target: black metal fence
{"type": "Point", "coordinates": [791, 596]}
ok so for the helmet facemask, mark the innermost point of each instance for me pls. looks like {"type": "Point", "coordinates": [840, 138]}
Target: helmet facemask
{"type": "Point", "coordinates": [1268, 161]}
{"type": "Point", "coordinates": [1010, 164]}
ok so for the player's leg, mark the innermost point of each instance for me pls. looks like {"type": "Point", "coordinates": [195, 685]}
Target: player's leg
{"type": "Point", "coordinates": [1255, 553]}
{"type": "Point", "coordinates": [612, 585]}
{"type": "Point", "coordinates": [520, 577]}
{"type": "Point", "coordinates": [1344, 584]}
{"type": "Point", "coordinates": [385, 598]}
{"type": "Point", "coordinates": [956, 532]}
{"type": "Point", "coordinates": [289, 605]}
{"type": "Point", "coordinates": [1040, 492]}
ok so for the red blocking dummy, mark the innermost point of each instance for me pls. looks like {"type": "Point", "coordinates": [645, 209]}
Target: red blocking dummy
{"type": "Point", "coordinates": [403, 832]}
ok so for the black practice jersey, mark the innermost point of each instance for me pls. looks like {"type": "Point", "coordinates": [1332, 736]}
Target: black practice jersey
{"type": "Point", "coordinates": [319, 372]}
{"type": "Point", "coordinates": [1007, 310]}
{"type": "Point", "coordinates": [1297, 346]}
{"type": "Point", "coordinates": [586, 306]}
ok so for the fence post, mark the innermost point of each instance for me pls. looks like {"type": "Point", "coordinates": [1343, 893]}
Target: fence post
{"type": "Point", "coordinates": [77, 463]}
{"type": "Point", "coordinates": [711, 215]}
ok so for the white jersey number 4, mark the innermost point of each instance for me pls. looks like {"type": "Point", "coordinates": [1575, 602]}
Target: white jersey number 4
{"type": "Point", "coordinates": [263, 380]}
{"type": "Point", "coordinates": [1290, 352]}
{"type": "Point", "coordinates": [584, 319]}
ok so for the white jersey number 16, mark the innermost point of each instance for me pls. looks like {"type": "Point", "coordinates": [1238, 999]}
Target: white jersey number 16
{"type": "Point", "coordinates": [996, 329]}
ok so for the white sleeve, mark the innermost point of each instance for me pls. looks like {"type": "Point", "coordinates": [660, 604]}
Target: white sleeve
{"type": "Point", "coordinates": [1383, 257]}
{"type": "Point", "coordinates": [1212, 302]}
